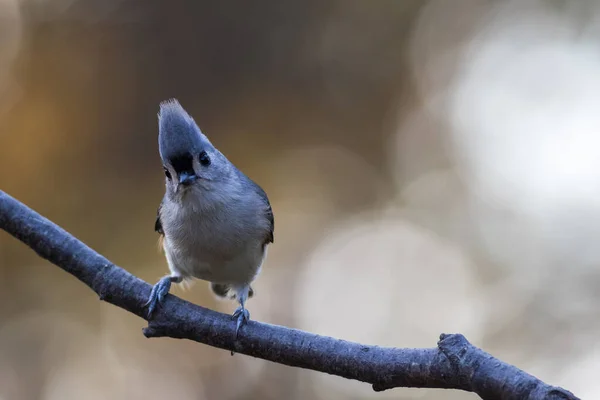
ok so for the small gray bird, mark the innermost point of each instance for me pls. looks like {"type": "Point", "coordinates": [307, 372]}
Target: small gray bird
{"type": "Point", "coordinates": [215, 224]}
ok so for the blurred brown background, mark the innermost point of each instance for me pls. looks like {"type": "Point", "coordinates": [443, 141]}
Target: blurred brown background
{"type": "Point", "coordinates": [433, 166]}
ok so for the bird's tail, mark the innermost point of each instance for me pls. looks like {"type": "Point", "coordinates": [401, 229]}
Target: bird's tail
{"type": "Point", "coordinates": [223, 290]}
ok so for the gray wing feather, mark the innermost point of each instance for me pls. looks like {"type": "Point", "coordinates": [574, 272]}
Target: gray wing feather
{"type": "Point", "coordinates": [158, 224]}
{"type": "Point", "coordinates": [268, 213]}
{"type": "Point", "coordinates": [268, 210]}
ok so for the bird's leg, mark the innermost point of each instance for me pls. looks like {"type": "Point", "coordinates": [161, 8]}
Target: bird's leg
{"type": "Point", "coordinates": [242, 316]}
{"type": "Point", "coordinates": [241, 313]}
{"type": "Point", "coordinates": [159, 291]}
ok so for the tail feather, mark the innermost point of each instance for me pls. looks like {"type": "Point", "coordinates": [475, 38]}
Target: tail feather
{"type": "Point", "coordinates": [223, 290]}
{"type": "Point", "coordinates": [220, 289]}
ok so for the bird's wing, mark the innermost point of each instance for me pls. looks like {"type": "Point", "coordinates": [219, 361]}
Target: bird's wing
{"type": "Point", "coordinates": [158, 227]}
{"type": "Point", "coordinates": [157, 224]}
{"type": "Point", "coordinates": [268, 213]}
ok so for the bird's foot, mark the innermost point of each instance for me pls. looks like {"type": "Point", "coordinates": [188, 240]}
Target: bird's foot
{"type": "Point", "coordinates": [243, 316]}
{"type": "Point", "coordinates": [159, 291]}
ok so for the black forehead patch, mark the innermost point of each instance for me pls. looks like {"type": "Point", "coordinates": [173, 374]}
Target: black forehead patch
{"type": "Point", "coordinates": [182, 162]}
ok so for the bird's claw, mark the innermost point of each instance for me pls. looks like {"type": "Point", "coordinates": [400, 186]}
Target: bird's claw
{"type": "Point", "coordinates": [159, 291]}
{"type": "Point", "coordinates": [243, 316]}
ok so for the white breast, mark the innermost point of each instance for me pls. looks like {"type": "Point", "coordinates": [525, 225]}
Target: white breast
{"type": "Point", "coordinates": [222, 244]}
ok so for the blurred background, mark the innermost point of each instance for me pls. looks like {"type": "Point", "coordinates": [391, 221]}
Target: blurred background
{"type": "Point", "coordinates": [433, 166]}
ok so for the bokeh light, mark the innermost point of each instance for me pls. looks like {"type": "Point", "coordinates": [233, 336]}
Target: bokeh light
{"type": "Point", "coordinates": [432, 167]}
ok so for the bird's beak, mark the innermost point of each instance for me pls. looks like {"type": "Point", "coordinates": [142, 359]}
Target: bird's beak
{"type": "Point", "coordinates": [186, 179]}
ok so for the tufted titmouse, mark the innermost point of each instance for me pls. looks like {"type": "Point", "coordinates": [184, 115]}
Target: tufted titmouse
{"type": "Point", "coordinates": [215, 223]}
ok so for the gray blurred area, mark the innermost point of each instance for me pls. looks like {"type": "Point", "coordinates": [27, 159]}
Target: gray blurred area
{"type": "Point", "coordinates": [433, 166]}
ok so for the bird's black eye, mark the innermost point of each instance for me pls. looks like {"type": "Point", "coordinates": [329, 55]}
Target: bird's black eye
{"type": "Point", "coordinates": [204, 159]}
{"type": "Point", "coordinates": [167, 173]}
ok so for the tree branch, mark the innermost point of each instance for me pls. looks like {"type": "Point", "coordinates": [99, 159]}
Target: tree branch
{"type": "Point", "coordinates": [454, 364]}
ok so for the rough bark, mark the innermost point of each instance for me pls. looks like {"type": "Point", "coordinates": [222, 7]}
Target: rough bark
{"type": "Point", "coordinates": [453, 364]}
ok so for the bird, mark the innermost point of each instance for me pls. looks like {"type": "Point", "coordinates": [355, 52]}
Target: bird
{"type": "Point", "coordinates": [214, 223]}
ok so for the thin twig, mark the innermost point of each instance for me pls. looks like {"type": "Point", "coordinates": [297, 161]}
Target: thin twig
{"type": "Point", "coordinates": [453, 364]}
